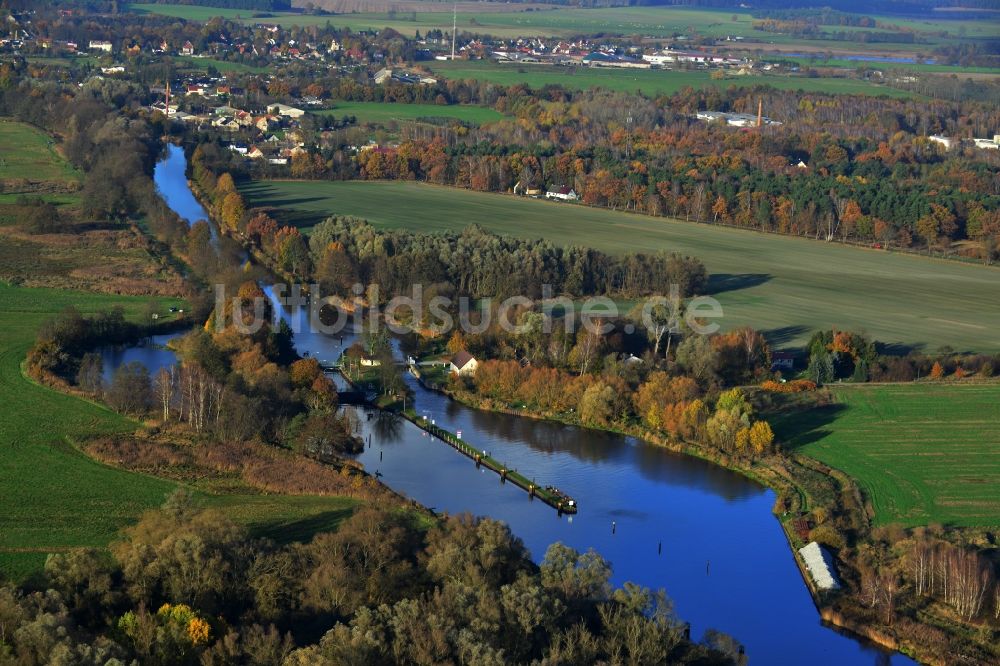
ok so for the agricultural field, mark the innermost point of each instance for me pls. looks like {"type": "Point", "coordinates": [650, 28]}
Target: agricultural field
{"type": "Point", "coordinates": [787, 287]}
{"type": "Point", "coordinates": [924, 453]}
{"type": "Point", "coordinates": [650, 82]}
{"type": "Point", "coordinates": [383, 112]}
{"type": "Point", "coordinates": [55, 497]}
{"type": "Point", "coordinates": [656, 22]}
{"type": "Point", "coordinates": [28, 154]}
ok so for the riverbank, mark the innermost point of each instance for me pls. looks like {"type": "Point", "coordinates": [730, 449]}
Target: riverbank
{"type": "Point", "coordinates": [798, 481]}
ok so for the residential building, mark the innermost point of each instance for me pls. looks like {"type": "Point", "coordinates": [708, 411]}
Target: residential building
{"type": "Point", "coordinates": [563, 193]}
{"type": "Point", "coordinates": [463, 363]}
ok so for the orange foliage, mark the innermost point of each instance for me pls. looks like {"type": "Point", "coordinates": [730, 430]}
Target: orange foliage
{"type": "Point", "coordinates": [794, 386]}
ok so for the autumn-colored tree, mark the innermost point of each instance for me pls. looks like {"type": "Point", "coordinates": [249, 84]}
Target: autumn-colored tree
{"type": "Point", "coordinates": [720, 209]}
{"type": "Point", "coordinates": [937, 370]}
{"type": "Point", "coordinates": [232, 211]}
{"type": "Point", "coordinates": [456, 342]}
{"type": "Point", "coordinates": [761, 437]}
{"type": "Point", "coordinates": [224, 186]}
{"type": "Point", "coordinates": [304, 371]}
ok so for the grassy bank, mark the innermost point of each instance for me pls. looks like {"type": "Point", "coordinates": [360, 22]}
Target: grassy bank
{"type": "Point", "coordinates": [785, 286]}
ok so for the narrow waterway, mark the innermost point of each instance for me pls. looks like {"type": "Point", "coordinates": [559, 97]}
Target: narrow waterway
{"type": "Point", "coordinates": [663, 520]}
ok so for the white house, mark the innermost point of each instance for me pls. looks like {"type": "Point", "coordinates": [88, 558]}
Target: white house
{"type": "Point", "coordinates": [369, 361]}
{"type": "Point", "coordinates": [463, 363]}
{"type": "Point", "coordinates": [563, 193]}
{"type": "Point", "coordinates": [100, 45]}
{"type": "Point", "coordinates": [987, 144]}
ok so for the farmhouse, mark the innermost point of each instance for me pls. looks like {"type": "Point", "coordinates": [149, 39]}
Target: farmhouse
{"type": "Point", "coordinates": [187, 49]}
{"type": "Point", "coordinates": [100, 45]}
{"type": "Point", "coordinates": [820, 566]}
{"type": "Point", "coordinates": [463, 363]}
{"type": "Point", "coordinates": [563, 193]}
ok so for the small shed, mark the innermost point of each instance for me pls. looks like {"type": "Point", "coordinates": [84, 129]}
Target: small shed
{"type": "Point", "coordinates": [819, 563]}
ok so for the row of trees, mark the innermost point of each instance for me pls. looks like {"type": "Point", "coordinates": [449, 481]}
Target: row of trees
{"type": "Point", "coordinates": [187, 586]}
{"type": "Point", "coordinates": [848, 356]}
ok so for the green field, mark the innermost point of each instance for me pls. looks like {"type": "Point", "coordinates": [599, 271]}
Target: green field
{"type": "Point", "coordinates": [648, 81]}
{"type": "Point", "coordinates": [223, 66]}
{"type": "Point", "coordinates": [28, 153]}
{"type": "Point", "coordinates": [785, 286]}
{"type": "Point", "coordinates": [53, 497]}
{"type": "Point", "coordinates": [923, 453]}
{"type": "Point", "coordinates": [657, 22]}
{"type": "Point", "coordinates": [381, 112]}
{"type": "Point", "coordinates": [820, 60]}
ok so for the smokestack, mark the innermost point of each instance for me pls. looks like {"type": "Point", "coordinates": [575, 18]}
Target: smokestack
{"type": "Point", "coordinates": [454, 28]}
{"type": "Point", "coordinates": [760, 112]}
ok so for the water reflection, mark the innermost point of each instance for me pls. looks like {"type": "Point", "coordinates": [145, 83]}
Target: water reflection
{"type": "Point", "coordinates": [386, 427]}
{"type": "Point", "coordinates": [151, 353]}
{"type": "Point", "coordinates": [171, 182]}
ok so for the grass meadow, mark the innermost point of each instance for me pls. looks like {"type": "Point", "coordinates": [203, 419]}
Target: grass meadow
{"type": "Point", "coordinates": [383, 112]}
{"type": "Point", "coordinates": [29, 154]}
{"type": "Point", "coordinates": [785, 286]}
{"type": "Point", "coordinates": [53, 497]}
{"type": "Point", "coordinates": [924, 453]}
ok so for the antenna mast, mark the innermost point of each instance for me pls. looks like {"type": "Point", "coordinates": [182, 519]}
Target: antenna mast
{"type": "Point", "coordinates": [454, 27]}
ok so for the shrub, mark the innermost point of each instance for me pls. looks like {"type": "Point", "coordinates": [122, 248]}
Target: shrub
{"type": "Point", "coordinates": [793, 386]}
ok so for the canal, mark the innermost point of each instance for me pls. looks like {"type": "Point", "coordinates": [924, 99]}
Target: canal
{"type": "Point", "coordinates": [725, 560]}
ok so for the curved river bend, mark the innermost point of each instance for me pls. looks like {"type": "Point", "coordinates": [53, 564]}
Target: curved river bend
{"type": "Point", "coordinates": [725, 560]}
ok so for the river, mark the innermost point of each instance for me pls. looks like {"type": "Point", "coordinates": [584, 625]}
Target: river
{"type": "Point", "coordinates": [725, 561]}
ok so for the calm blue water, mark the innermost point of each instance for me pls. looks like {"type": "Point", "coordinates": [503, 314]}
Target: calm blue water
{"type": "Point", "coordinates": [725, 561]}
{"type": "Point", "coordinates": [152, 353]}
{"type": "Point", "coordinates": [171, 183]}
